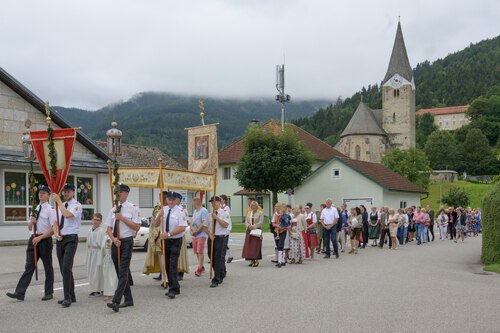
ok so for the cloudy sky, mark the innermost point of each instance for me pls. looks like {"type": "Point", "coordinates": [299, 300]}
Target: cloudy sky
{"type": "Point", "coordinates": [94, 52]}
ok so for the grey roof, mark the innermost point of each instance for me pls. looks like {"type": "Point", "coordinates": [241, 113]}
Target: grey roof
{"type": "Point", "coordinates": [378, 116]}
{"type": "Point", "coordinates": [34, 100]}
{"type": "Point", "coordinates": [363, 122]}
{"type": "Point", "coordinates": [399, 63]}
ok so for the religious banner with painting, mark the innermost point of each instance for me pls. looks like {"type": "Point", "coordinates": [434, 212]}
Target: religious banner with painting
{"type": "Point", "coordinates": [202, 148]}
{"type": "Point", "coordinates": [64, 141]}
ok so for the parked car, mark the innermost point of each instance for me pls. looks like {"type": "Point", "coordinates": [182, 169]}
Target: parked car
{"type": "Point", "coordinates": [141, 238]}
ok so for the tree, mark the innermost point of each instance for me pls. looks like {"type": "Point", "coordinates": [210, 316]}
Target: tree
{"type": "Point", "coordinates": [273, 161]}
{"type": "Point", "coordinates": [411, 164]}
{"type": "Point", "coordinates": [424, 127]}
{"type": "Point", "coordinates": [456, 197]}
{"type": "Point", "coordinates": [442, 151]}
{"type": "Point", "coordinates": [478, 157]}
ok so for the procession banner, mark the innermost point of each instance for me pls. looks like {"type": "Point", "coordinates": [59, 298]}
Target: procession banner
{"type": "Point", "coordinates": [64, 141]}
{"type": "Point", "coordinates": [202, 148]}
{"type": "Point", "coordinates": [140, 177]}
{"type": "Point", "coordinates": [172, 179]}
{"type": "Point", "coordinates": [187, 180]}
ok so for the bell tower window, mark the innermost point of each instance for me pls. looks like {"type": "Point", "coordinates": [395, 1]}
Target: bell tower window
{"type": "Point", "coordinates": [396, 92]}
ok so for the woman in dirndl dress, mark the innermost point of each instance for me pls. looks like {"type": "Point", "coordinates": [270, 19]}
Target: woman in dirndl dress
{"type": "Point", "coordinates": [312, 237]}
{"type": "Point", "coordinates": [297, 245]}
{"type": "Point", "coordinates": [252, 249]}
{"type": "Point", "coordinates": [373, 226]}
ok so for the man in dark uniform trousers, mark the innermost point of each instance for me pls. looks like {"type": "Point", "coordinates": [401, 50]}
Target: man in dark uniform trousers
{"type": "Point", "coordinates": [45, 218]}
{"type": "Point", "coordinates": [70, 215]}
{"type": "Point", "coordinates": [222, 222]}
{"type": "Point", "coordinates": [174, 226]}
{"type": "Point", "coordinates": [129, 222]}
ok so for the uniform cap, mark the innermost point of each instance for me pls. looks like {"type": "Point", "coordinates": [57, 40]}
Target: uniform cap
{"type": "Point", "coordinates": [69, 187]}
{"type": "Point", "coordinates": [44, 188]}
{"type": "Point", "coordinates": [124, 187]}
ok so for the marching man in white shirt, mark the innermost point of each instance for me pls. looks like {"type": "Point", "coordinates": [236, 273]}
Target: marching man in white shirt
{"type": "Point", "coordinates": [42, 222]}
{"type": "Point", "coordinates": [222, 222]}
{"type": "Point", "coordinates": [70, 215]}
{"type": "Point", "coordinates": [174, 226]}
{"type": "Point", "coordinates": [128, 221]}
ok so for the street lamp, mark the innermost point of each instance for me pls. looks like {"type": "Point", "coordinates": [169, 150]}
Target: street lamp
{"type": "Point", "coordinates": [114, 140]}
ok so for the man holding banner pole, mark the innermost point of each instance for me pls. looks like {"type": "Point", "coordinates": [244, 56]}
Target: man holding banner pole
{"type": "Point", "coordinates": [122, 225]}
{"type": "Point", "coordinates": [174, 229]}
{"type": "Point", "coordinates": [218, 236]}
{"type": "Point", "coordinates": [70, 215]}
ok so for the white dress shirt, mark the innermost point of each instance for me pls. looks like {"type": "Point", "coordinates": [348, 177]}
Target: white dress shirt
{"type": "Point", "coordinates": [46, 218]}
{"type": "Point", "coordinates": [71, 224]}
{"type": "Point", "coordinates": [328, 215]}
{"type": "Point", "coordinates": [219, 230]}
{"type": "Point", "coordinates": [177, 219]}
{"type": "Point", "coordinates": [129, 211]}
{"type": "Point", "coordinates": [227, 209]}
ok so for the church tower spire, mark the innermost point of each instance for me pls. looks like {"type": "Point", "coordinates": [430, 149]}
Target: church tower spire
{"type": "Point", "coordinates": [398, 97]}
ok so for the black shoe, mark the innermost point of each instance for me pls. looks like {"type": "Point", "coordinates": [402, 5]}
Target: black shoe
{"type": "Point", "coordinates": [170, 295]}
{"type": "Point", "coordinates": [274, 261]}
{"type": "Point", "coordinates": [180, 276]}
{"type": "Point", "coordinates": [19, 297]}
{"type": "Point", "coordinates": [229, 260]}
{"type": "Point", "coordinates": [214, 285]}
{"type": "Point", "coordinates": [326, 257]}
{"type": "Point", "coordinates": [47, 297]}
{"type": "Point", "coordinates": [95, 294]}
{"type": "Point", "coordinates": [164, 287]}
{"type": "Point", "coordinates": [66, 303]}
{"type": "Point", "coordinates": [157, 277]}
{"type": "Point", "coordinates": [114, 306]}
{"type": "Point", "coordinates": [73, 300]}
{"type": "Point", "coordinates": [126, 304]}
{"type": "Point", "coordinates": [336, 256]}
{"type": "Point", "coordinates": [278, 265]}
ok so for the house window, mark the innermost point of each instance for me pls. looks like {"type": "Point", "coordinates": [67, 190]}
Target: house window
{"type": "Point", "coordinates": [335, 173]}
{"type": "Point", "coordinates": [146, 199]}
{"type": "Point", "coordinates": [367, 141]}
{"type": "Point", "coordinates": [358, 152]}
{"type": "Point", "coordinates": [16, 194]}
{"type": "Point", "coordinates": [227, 173]}
{"type": "Point", "coordinates": [402, 204]}
{"type": "Point", "coordinates": [260, 200]}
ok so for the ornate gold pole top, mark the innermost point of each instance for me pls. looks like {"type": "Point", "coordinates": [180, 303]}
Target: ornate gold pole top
{"type": "Point", "coordinates": [47, 112]}
{"type": "Point", "coordinates": [201, 106]}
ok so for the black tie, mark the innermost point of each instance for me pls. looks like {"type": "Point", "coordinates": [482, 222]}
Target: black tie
{"type": "Point", "coordinates": [115, 231]}
{"type": "Point", "coordinates": [62, 217]}
{"type": "Point", "coordinates": [167, 225]}
{"type": "Point", "coordinates": [39, 210]}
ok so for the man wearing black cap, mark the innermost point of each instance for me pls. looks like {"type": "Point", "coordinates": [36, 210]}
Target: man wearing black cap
{"type": "Point", "coordinates": [222, 223]}
{"type": "Point", "coordinates": [174, 226]}
{"type": "Point", "coordinates": [70, 215]}
{"type": "Point", "coordinates": [128, 220]}
{"type": "Point", "coordinates": [42, 220]}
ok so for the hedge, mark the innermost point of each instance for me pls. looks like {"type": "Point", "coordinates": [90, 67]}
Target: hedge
{"type": "Point", "coordinates": [491, 227]}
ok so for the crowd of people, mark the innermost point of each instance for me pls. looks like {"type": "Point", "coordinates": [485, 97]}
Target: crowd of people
{"type": "Point", "coordinates": [299, 233]}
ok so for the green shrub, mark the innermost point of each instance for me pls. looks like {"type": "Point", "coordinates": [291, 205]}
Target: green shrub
{"type": "Point", "coordinates": [491, 227]}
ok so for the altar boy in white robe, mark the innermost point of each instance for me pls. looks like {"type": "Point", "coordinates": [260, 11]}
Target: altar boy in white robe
{"type": "Point", "coordinates": [94, 244]}
{"type": "Point", "coordinates": [110, 279]}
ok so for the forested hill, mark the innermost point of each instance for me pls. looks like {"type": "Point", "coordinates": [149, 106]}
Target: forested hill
{"type": "Point", "coordinates": [158, 119]}
{"type": "Point", "coordinates": [456, 79]}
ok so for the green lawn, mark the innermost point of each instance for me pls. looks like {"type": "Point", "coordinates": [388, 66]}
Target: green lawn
{"type": "Point", "coordinates": [240, 227]}
{"type": "Point", "coordinates": [476, 192]}
{"type": "Point", "coordinates": [492, 268]}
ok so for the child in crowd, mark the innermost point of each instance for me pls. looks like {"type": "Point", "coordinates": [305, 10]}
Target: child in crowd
{"type": "Point", "coordinates": [94, 242]}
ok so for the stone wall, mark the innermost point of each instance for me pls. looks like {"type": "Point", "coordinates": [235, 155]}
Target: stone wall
{"type": "Point", "coordinates": [371, 147]}
{"type": "Point", "coordinates": [14, 111]}
{"type": "Point", "coordinates": [398, 116]}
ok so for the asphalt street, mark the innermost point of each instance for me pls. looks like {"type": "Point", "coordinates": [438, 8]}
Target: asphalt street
{"type": "Point", "coordinates": [439, 287]}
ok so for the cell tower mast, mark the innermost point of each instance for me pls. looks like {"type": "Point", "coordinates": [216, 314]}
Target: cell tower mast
{"type": "Point", "coordinates": [281, 97]}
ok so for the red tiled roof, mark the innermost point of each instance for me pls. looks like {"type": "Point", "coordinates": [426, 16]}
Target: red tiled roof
{"type": "Point", "coordinates": [383, 176]}
{"type": "Point", "coordinates": [322, 151]}
{"type": "Point", "coordinates": [446, 110]}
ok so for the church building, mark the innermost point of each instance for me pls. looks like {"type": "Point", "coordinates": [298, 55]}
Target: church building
{"type": "Point", "coordinates": [370, 133]}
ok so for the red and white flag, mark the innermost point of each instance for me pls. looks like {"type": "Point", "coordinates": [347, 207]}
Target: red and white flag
{"type": "Point", "coordinates": [64, 141]}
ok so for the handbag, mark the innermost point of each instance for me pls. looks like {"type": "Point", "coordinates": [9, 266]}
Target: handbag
{"type": "Point", "coordinates": [256, 233]}
{"type": "Point", "coordinates": [294, 235]}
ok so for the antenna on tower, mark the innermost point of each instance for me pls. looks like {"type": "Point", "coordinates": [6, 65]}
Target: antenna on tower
{"type": "Point", "coordinates": [280, 86]}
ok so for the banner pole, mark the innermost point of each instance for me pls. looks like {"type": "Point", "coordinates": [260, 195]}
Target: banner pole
{"type": "Point", "coordinates": [164, 259]}
{"type": "Point", "coordinates": [213, 224]}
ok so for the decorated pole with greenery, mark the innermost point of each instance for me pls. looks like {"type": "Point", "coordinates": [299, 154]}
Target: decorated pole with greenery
{"type": "Point", "coordinates": [34, 211]}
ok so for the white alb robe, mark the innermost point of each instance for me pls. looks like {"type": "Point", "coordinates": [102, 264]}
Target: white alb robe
{"type": "Point", "coordinates": [94, 270]}
{"type": "Point", "coordinates": [110, 279]}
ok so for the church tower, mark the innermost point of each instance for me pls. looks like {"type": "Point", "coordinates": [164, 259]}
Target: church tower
{"type": "Point", "coordinates": [398, 98]}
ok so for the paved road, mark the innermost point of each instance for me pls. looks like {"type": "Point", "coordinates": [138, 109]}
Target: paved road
{"type": "Point", "coordinates": [429, 288]}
